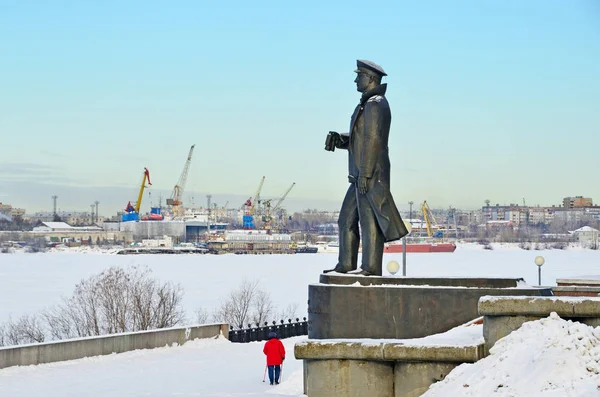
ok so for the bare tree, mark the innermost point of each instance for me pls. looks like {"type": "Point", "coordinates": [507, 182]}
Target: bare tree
{"type": "Point", "coordinates": [64, 322]}
{"type": "Point", "coordinates": [117, 300]}
{"type": "Point", "coordinates": [250, 304]}
{"type": "Point", "coordinates": [237, 308]}
{"type": "Point", "coordinates": [167, 309]}
{"type": "Point", "coordinates": [263, 308]}
{"type": "Point", "coordinates": [289, 312]}
{"type": "Point", "coordinates": [202, 315]}
{"type": "Point", "coordinates": [27, 329]}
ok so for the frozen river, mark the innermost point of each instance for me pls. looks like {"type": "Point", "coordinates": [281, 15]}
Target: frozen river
{"type": "Point", "coordinates": [31, 282]}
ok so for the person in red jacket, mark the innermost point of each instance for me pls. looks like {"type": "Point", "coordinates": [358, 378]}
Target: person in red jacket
{"type": "Point", "coordinates": [275, 353]}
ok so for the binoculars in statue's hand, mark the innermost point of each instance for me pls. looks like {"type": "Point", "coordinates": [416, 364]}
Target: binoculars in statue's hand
{"type": "Point", "coordinates": [332, 140]}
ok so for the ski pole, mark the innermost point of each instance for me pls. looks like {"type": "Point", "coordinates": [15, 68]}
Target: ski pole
{"type": "Point", "coordinates": [265, 375]}
{"type": "Point", "coordinates": [280, 372]}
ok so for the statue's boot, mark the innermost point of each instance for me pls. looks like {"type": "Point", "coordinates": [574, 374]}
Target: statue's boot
{"type": "Point", "coordinates": [361, 272]}
{"type": "Point", "coordinates": [337, 269]}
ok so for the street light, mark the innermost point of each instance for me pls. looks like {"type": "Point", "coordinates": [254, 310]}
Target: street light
{"type": "Point", "coordinates": [408, 226]}
{"type": "Point", "coordinates": [393, 267]}
{"type": "Point", "coordinates": [539, 261]}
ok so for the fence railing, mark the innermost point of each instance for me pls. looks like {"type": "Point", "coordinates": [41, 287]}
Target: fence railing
{"type": "Point", "coordinates": [283, 330]}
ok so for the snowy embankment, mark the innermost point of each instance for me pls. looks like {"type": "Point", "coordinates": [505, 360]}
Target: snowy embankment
{"type": "Point", "coordinates": [32, 282]}
{"type": "Point", "coordinates": [203, 367]}
{"type": "Point", "coordinates": [549, 357]}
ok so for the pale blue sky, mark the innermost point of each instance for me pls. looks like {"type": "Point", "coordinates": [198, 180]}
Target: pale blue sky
{"type": "Point", "coordinates": [490, 100]}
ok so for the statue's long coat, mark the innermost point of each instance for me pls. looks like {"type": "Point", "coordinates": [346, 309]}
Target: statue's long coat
{"type": "Point", "coordinates": [368, 156]}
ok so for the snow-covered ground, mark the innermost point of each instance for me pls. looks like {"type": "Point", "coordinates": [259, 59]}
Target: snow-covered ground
{"type": "Point", "coordinates": [206, 368]}
{"type": "Point", "coordinates": [524, 366]}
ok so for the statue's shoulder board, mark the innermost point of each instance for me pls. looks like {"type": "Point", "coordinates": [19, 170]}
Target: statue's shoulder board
{"type": "Point", "coordinates": [375, 98]}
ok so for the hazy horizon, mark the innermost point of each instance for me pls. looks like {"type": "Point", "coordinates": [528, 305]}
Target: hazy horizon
{"type": "Point", "coordinates": [490, 100]}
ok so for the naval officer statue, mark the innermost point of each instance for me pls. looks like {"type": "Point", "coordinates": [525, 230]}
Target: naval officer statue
{"type": "Point", "coordinates": [368, 201]}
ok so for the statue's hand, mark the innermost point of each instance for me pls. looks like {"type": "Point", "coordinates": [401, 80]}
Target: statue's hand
{"type": "Point", "coordinates": [332, 141]}
{"type": "Point", "coordinates": [362, 184]}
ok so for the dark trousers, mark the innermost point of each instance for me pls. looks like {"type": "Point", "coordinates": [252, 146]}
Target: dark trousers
{"type": "Point", "coordinates": [356, 211]}
{"type": "Point", "coordinates": [274, 373]}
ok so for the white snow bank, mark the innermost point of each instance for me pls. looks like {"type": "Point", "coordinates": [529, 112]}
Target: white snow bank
{"type": "Point", "coordinates": [462, 336]}
{"type": "Point", "coordinates": [550, 357]}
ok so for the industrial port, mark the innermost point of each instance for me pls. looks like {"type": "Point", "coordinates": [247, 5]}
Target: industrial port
{"type": "Point", "coordinates": [261, 225]}
{"type": "Point", "coordinates": [255, 226]}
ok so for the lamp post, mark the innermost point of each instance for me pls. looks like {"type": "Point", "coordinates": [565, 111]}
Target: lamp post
{"type": "Point", "coordinates": [539, 261]}
{"type": "Point", "coordinates": [409, 228]}
{"type": "Point", "coordinates": [410, 203]}
{"type": "Point", "coordinates": [393, 267]}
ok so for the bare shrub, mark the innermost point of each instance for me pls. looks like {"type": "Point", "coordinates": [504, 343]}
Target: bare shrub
{"type": "Point", "coordinates": [27, 329]}
{"type": "Point", "coordinates": [289, 312]}
{"type": "Point", "coordinates": [236, 309]}
{"type": "Point", "coordinates": [201, 315]}
{"type": "Point", "coordinates": [263, 307]}
{"type": "Point", "coordinates": [246, 304]}
{"type": "Point", "coordinates": [559, 245]}
{"type": "Point", "coordinates": [525, 245]}
{"type": "Point", "coordinates": [116, 300]}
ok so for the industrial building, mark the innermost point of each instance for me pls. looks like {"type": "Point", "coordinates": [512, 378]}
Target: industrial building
{"type": "Point", "coordinates": [61, 232]}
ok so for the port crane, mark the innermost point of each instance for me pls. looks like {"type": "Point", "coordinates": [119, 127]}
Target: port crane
{"type": "Point", "coordinates": [133, 213]}
{"type": "Point", "coordinates": [250, 205]}
{"type": "Point", "coordinates": [269, 210]}
{"type": "Point", "coordinates": [175, 200]}
{"type": "Point", "coordinates": [430, 221]}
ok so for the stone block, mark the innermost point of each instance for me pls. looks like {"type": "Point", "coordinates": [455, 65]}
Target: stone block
{"type": "Point", "coordinates": [349, 378]}
{"type": "Point", "coordinates": [395, 311]}
{"type": "Point", "coordinates": [497, 327]}
{"type": "Point", "coordinates": [386, 351]}
{"type": "Point", "coordinates": [413, 379]}
{"type": "Point", "coordinates": [565, 307]}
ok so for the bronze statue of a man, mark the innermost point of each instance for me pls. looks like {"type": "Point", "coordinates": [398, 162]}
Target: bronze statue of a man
{"type": "Point", "coordinates": [368, 201]}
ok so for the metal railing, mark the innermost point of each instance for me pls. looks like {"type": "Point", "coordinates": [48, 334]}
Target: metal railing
{"type": "Point", "coordinates": [283, 330]}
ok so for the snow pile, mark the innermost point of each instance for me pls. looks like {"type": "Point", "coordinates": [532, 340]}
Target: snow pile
{"type": "Point", "coordinates": [550, 357]}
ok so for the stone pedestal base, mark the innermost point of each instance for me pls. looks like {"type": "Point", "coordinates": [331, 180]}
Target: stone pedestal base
{"type": "Point", "coordinates": [349, 378]}
{"type": "Point", "coordinates": [385, 369]}
{"type": "Point", "coordinates": [413, 379]}
{"type": "Point", "coordinates": [398, 308]}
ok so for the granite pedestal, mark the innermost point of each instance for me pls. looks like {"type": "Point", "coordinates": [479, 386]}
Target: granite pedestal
{"type": "Point", "coordinates": [358, 329]}
{"type": "Point", "coordinates": [344, 306]}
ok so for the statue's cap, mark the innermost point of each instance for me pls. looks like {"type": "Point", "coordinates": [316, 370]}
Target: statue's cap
{"type": "Point", "coordinates": [364, 65]}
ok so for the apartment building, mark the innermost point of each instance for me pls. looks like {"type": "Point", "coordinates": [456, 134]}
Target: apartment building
{"type": "Point", "coordinates": [577, 202]}
{"type": "Point", "coordinates": [11, 211]}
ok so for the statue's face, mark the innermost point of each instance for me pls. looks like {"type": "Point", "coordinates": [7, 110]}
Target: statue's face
{"type": "Point", "coordinates": [362, 81]}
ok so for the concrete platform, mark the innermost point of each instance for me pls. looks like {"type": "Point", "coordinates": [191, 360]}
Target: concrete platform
{"type": "Point", "coordinates": [502, 315]}
{"type": "Point", "coordinates": [344, 306]}
{"type": "Point", "coordinates": [385, 368]}
{"type": "Point", "coordinates": [346, 279]}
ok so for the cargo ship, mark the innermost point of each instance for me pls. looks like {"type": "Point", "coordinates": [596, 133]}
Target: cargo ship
{"type": "Point", "coordinates": [396, 247]}
{"type": "Point", "coordinates": [422, 244]}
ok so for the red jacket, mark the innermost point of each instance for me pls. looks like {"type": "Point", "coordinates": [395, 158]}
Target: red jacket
{"type": "Point", "coordinates": [275, 351]}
